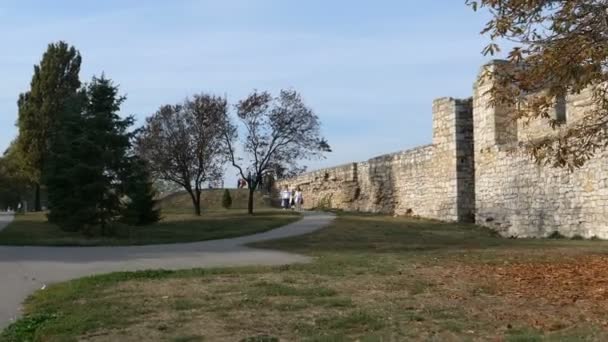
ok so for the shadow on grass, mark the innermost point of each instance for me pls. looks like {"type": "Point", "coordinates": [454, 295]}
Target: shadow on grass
{"type": "Point", "coordinates": [371, 233]}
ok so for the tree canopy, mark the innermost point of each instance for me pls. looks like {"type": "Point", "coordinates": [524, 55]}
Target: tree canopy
{"type": "Point", "coordinates": [183, 143]}
{"type": "Point", "coordinates": [90, 170]}
{"type": "Point", "coordinates": [55, 80]}
{"type": "Point", "coordinates": [560, 48]}
{"type": "Point", "coordinates": [14, 183]}
{"type": "Point", "coordinates": [279, 132]}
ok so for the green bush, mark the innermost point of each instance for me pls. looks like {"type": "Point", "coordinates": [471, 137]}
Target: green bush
{"type": "Point", "coordinates": [226, 199]}
{"type": "Point", "coordinates": [25, 328]}
{"type": "Point", "coordinates": [555, 235]}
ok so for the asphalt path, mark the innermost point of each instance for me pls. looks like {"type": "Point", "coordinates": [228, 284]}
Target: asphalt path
{"type": "Point", "coordinates": [24, 270]}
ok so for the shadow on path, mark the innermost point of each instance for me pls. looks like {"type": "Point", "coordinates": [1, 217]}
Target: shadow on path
{"type": "Point", "coordinates": [5, 219]}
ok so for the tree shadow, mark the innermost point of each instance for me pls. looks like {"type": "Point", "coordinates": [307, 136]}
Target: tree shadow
{"type": "Point", "coordinates": [370, 233]}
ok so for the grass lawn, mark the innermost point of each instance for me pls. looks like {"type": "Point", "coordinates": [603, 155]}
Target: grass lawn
{"type": "Point", "coordinates": [176, 226]}
{"type": "Point", "coordinates": [374, 278]}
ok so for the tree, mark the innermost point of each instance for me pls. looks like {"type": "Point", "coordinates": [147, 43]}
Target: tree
{"type": "Point", "coordinates": [226, 199]}
{"type": "Point", "coordinates": [561, 47]}
{"type": "Point", "coordinates": [183, 143]}
{"type": "Point", "coordinates": [279, 132]}
{"type": "Point", "coordinates": [141, 207]}
{"type": "Point", "coordinates": [67, 170]}
{"type": "Point", "coordinates": [14, 183]}
{"type": "Point", "coordinates": [88, 158]}
{"type": "Point", "coordinates": [54, 81]}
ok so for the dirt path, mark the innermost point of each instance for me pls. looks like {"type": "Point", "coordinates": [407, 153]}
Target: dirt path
{"type": "Point", "coordinates": [26, 269]}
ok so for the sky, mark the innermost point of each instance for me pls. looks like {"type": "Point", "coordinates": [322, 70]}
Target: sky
{"type": "Point", "coordinates": [369, 69]}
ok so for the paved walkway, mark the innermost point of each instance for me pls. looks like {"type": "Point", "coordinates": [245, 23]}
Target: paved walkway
{"type": "Point", "coordinates": [26, 269]}
{"type": "Point", "coordinates": [5, 219]}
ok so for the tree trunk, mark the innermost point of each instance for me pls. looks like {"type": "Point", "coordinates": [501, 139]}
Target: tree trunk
{"type": "Point", "coordinates": [37, 202]}
{"type": "Point", "coordinates": [196, 201]}
{"type": "Point", "coordinates": [250, 202]}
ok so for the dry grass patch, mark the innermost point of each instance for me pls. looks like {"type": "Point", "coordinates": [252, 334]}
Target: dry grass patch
{"type": "Point", "coordinates": [449, 300]}
{"type": "Point", "coordinates": [222, 307]}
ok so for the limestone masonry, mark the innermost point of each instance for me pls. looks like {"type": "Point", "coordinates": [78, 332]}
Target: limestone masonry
{"type": "Point", "coordinates": [470, 173]}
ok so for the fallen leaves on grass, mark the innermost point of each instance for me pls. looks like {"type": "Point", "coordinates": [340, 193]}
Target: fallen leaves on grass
{"type": "Point", "coordinates": [563, 282]}
{"type": "Point", "coordinates": [550, 295]}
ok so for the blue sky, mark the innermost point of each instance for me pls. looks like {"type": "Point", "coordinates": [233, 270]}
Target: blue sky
{"type": "Point", "coordinates": [369, 69]}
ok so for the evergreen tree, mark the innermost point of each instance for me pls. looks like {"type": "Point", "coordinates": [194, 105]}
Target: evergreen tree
{"type": "Point", "coordinates": [141, 206]}
{"type": "Point", "coordinates": [111, 142]}
{"type": "Point", "coordinates": [55, 80]}
{"type": "Point", "coordinates": [67, 169]}
{"type": "Point", "coordinates": [87, 159]}
{"type": "Point", "coordinates": [226, 199]}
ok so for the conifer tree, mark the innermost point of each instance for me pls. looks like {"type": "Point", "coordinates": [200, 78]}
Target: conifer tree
{"type": "Point", "coordinates": [141, 207]}
{"type": "Point", "coordinates": [88, 158]}
{"type": "Point", "coordinates": [66, 168]}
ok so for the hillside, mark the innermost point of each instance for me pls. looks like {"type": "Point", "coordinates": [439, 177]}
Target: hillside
{"type": "Point", "coordinates": [212, 199]}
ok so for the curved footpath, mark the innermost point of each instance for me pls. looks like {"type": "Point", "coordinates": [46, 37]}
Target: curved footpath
{"type": "Point", "coordinates": [26, 269]}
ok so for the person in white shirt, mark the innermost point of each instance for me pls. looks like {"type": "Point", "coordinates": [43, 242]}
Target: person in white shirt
{"type": "Point", "coordinates": [285, 198]}
{"type": "Point", "coordinates": [299, 198]}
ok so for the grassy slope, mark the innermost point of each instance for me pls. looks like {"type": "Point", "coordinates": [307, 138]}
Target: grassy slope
{"type": "Point", "coordinates": [32, 229]}
{"type": "Point", "coordinates": [178, 224]}
{"type": "Point", "coordinates": [212, 200]}
{"type": "Point", "coordinates": [375, 278]}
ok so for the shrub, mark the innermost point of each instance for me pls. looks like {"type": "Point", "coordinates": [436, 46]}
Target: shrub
{"type": "Point", "coordinates": [555, 235]}
{"type": "Point", "coordinates": [24, 329]}
{"type": "Point", "coordinates": [577, 237]}
{"type": "Point", "coordinates": [226, 199]}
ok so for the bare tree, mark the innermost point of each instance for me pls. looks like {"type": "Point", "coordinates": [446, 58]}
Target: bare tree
{"type": "Point", "coordinates": [278, 132]}
{"type": "Point", "coordinates": [183, 143]}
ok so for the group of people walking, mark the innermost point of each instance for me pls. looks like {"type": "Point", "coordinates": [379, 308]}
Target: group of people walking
{"type": "Point", "coordinates": [292, 199]}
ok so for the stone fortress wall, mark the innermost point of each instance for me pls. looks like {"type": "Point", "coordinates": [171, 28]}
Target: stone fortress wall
{"type": "Point", "coordinates": [472, 172]}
